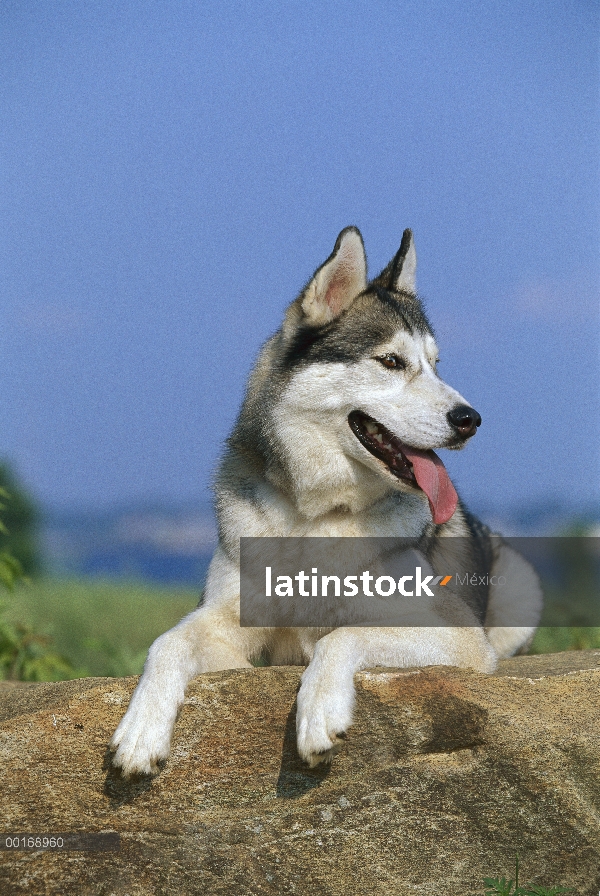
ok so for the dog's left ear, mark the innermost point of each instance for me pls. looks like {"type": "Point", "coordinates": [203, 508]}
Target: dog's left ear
{"type": "Point", "coordinates": [338, 281]}
{"type": "Point", "coordinates": [401, 273]}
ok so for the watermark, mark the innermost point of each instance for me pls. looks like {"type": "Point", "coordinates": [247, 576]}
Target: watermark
{"type": "Point", "coordinates": [474, 578]}
{"type": "Point", "coordinates": [73, 841]}
{"type": "Point", "coordinates": [331, 582]}
{"type": "Point", "coordinates": [384, 586]}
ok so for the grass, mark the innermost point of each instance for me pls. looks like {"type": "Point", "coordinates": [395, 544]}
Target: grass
{"type": "Point", "coordinates": [555, 640]}
{"type": "Point", "coordinates": [100, 627]}
{"type": "Point", "coordinates": [105, 628]}
{"type": "Point", "coordinates": [500, 886]}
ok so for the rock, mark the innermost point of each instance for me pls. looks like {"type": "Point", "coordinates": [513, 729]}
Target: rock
{"type": "Point", "coordinates": [445, 775]}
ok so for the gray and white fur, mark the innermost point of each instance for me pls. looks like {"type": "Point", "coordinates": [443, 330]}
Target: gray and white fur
{"type": "Point", "coordinates": [294, 466]}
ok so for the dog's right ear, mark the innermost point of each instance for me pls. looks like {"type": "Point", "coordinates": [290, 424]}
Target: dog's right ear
{"type": "Point", "coordinates": [338, 281]}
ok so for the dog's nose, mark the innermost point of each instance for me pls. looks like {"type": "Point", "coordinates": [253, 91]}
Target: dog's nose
{"type": "Point", "coordinates": [464, 419]}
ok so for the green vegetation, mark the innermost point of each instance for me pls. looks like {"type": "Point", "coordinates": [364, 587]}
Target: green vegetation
{"type": "Point", "coordinates": [11, 569]}
{"type": "Point", "coordinates": [555, 640]}
{"type": "Point", "coordinates": [502, 887]}
{"type": "Point", "coordinates": [27, 656]}
{"type": "Point", "coordinates": [20, 519]}
{"type": "Point", "coordinates": [24, 655]}
{"type": "Point", "coordinates": [100, 627]}
{"type": "Point", "coordinates": [52, 629]}
{"type": "Point", "coordinates": [575, 601]}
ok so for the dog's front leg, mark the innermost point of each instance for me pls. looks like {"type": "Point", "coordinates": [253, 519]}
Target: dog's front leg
{"type": "Point", "coordinates": [326, 696]}
{"type": "Point", "coordinates": [202, 642]}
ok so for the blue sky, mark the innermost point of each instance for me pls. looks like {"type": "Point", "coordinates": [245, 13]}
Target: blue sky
{"type": "Point", "coordinates": [171, 173]}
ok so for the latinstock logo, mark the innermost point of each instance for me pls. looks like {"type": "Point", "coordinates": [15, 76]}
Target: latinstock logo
{"type": "Point", "coordinates": [332, 582]}
{"type": "Point", "coordinates": [368, 581]}
{"type": "Point", "coordinates": [385, 586]}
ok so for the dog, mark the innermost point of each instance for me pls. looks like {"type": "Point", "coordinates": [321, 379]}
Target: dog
{"type": "Point", "coordinates": [336, 438]}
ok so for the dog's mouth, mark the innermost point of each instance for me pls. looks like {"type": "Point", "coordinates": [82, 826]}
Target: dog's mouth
{"type": "Point", "coordinates": [421, 469]}
{"type": "Point", "coordinates": [380, 442]}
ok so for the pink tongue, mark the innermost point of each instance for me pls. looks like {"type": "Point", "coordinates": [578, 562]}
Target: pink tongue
{"type": "Point", "coordinates": [432, 477]}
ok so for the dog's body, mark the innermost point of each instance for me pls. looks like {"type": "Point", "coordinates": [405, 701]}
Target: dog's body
{"type": "Point", "coordinates": [335, 438]}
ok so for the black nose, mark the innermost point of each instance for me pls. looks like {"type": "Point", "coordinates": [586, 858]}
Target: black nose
{"type": "Point", "coordinates": [464, 419]}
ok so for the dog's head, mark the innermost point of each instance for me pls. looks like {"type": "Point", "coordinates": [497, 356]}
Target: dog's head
{"type": "Point", "coordinates": [362, 391]}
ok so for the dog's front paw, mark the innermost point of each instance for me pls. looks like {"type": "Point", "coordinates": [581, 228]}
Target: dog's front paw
{"type": "Point", "coordinates": [323, 716]}
{"type": "Point", "coordinates": [143, 738]}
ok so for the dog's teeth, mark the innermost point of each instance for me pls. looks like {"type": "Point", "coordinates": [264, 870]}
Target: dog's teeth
{"type": "Point", "coordinates": [379, 438]}
{"type": "Point", "coordinates": [371, 428]}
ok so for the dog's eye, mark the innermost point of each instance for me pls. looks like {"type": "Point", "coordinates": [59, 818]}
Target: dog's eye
{"type": "Point", "coordinates": [392, 362]}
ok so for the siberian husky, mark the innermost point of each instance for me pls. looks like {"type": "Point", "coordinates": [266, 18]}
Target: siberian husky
{"type": "Point", "coordinates": [335, 438]}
